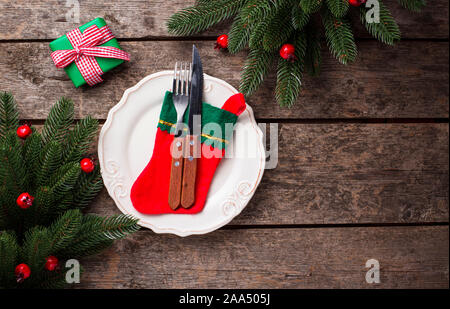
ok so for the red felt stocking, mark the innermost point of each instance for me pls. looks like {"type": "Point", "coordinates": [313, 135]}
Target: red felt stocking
{"type": "Point", "coordinates": [150, 191]}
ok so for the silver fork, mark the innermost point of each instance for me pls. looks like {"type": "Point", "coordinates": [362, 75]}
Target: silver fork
{"type": "Point", "coordinates": [181, 89]}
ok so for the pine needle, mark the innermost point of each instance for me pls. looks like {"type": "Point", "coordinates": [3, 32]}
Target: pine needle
{"type": "Point", "coordinates": [386, 30]}
{"type": "Point", "coordinates": [339, 37]}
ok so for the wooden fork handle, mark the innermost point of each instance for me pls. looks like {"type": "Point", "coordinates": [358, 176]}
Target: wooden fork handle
{"type": "Point", "coordinates": [176, 173]}
{"type": "Point", "coordinates": [191, 155]}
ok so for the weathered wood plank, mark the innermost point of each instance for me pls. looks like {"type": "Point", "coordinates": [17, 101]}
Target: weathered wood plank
{"type": "Point", "coordinates": [409, 80]}
{"type": "Point", "coordinates": [49, 19]}
{"type": "Point", "coordinates": [352, 173]}
{"type": "Point", "coordinates": [409, 257]}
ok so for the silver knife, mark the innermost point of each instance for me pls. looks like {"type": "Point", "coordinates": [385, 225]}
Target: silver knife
{"type": "Point", "coordinates": [192, 144]}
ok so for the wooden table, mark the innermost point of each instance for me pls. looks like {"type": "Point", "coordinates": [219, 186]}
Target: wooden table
{"type": "Point", "coordinates": [363, 155]}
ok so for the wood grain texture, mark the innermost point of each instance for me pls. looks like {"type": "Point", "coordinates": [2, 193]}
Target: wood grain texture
{"type": "Point", "coordinates": [410, 257]}
{"type": "Point", "coordinates": [36, 19]}
{"type": "Point", "coordinates": [407, 81]}
{"type": "Point", "coordinates": [327, 174]}
{"type": "Point", "coordinates": [349, 173]}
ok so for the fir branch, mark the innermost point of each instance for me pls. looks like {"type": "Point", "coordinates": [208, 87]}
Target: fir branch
{"type": "Point", "coordinates": [32, 149]}
{"type": "Point", "coordinates": [13, 164]}
{"type": "Point", "coordinates": [79, 139]}
{"type": "Point", "coordinates": [279, 30]}
{"type": "Point", "coordinates": [257, 34]}
{"type": "Point", "coordinates": [3, 212]}
{"type": "Point", "coordinates": [299, 18]}
{"type": "Point", "coordinates": [3, 166]}
{"type": "Point", "coordinates": [339, 8]}
{"type": "Point", "coordinates": [9, 252]}
{"type": "Point", "coordinates": [339, 37]}
{"type": "Point", "coordinates": [54, 178]}
{"type": "Point", "coordinates": [119, 226]}
{"type": "Point", "coordinates": [260, 23]}
{"type": "Point", "coordinates": [255, 69]}
{"type": "Point", "coordinates": [310, 6]}
{"type": "Point", "coordinates": [58, 122]}
{"type": "Point", "coordinates": [43, 202]}
{"type": "Point", "coordinates": [64, 230]}
{"type": "Point", "coordinates": [9, 116]}
{"type": "Point", "coordinates": [97, 233]}
{"type": "Point", "coordinates": [51, 200]}
{"type": "Point", "coordinates": [65, 203]}
{"type": "Point", "coordinates": [50, 161]}
{"type": "Point", "coordinates": [14, 180]}
{"type": "Point", "coordinates": [289, 74]}
{"type": "Point", "coordinates": [66, 182]}
{"type": "Point", "coordinates": [52, 280]}
{"type": "Point", "coordinates": [35, 249]}
{"type": "Point", "coordinates": [386, 30]}
{"type": "Point", "coordinates": [413, 5]}
{"type": "Point", "coordinates": [87, 188]}
{"type": "Point", "coordinates": [10, 214]}
{"type": "Point", "coordinates": [35, 166]}
{"type": "Point", "coordinates": [202, 16]}
{"type": "Point", "coordinates": [260, 29]}
{"type": "Point", "coordinates": [257, 10]}
{"type": "Point", "coordinates": [239, 35]}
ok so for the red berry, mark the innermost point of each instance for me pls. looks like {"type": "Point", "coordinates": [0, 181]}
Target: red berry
{"type": "Point", "coordinates": [356, 2]}
{"type": "Point", "coordinates": [87, 165]}
{"type": "Point", "coordinates": [287, 52]}
{"type": "Point", "coordinates": [51, 263]}
{"type": "Point", "coordinates": [25, 200]}
{"type": "Point", "coordinates": [22, 272]}
{"type": "Point", "coordinates": [24, 131]}
{"type": "Point", "coordinates": [222, 42]}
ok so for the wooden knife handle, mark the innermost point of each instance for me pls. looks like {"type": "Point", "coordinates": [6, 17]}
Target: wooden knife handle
{"type": "Point", "coordinates": [191, 154]}
{"type": "Point", "coordinates": [176, 173]}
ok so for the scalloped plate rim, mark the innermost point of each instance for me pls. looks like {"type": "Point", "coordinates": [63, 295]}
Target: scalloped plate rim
{"type": "Point", "coordinates": [142, 222]}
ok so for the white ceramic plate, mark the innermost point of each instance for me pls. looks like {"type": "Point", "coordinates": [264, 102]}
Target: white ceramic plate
{"type": "Point", "coordinates": [126, 144]}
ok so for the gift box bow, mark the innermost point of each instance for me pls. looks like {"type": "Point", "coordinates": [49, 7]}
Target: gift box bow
{"type": "Point", "coordinates": [86, 46]}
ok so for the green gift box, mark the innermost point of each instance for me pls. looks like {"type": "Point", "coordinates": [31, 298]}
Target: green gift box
{"type": "Point", "coordinates": [105, 64]}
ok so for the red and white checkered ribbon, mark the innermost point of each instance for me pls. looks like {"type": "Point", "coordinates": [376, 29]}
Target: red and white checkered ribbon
{"type": "Point", "coordinates": [85, 49]}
